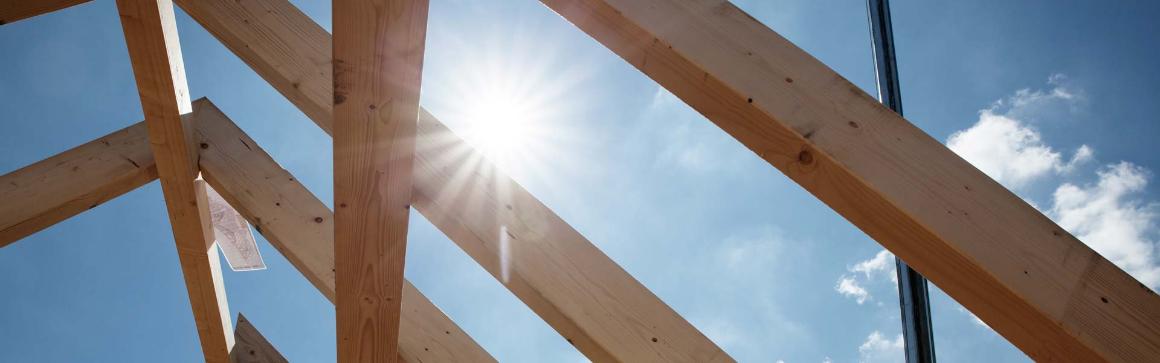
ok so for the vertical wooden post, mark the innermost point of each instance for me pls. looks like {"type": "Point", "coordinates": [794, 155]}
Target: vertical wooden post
{"type": "Point", "coordinates": [151, 37]}
{"type": "Point", "coordinates": [378, 60]}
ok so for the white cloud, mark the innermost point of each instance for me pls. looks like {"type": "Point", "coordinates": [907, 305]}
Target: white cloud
{"type": "Point", "coordinates": [1010, 151]}
{"type": "Point", "coordinates": [878, 348]}
{"type": "Point", "coordinates": [1117, 227]}
{"type": "Point", "coordinates": [853, 286]}
{"type": "Point", "coordinates": [1007, 148]}
{"type": "Point", "coordinates": [1035, 104]}
{"type": "Point", "coordinates": [1107, 215]}
{"type": "Point", "coordinates": [1004, 145]}
{"type": "Point", "coordinates": [882, 261]}
{"type": "Point", "coordinates": [849, 287]}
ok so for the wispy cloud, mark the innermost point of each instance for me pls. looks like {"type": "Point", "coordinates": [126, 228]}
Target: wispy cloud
{"type": "Point", "coordinates": [878, 267]}
{"type": "Point", "coordinates": [849, 287]}
{"type": "Point", "coordinates": [882, 262]}
{"type": "Point", "coordinates": [690, 142]}
{"type": "Point", "coordinates": [879, 348]}
{"type": "Point", "coordinates": [743, 264]}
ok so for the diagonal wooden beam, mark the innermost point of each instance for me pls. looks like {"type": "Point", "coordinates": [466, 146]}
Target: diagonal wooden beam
{"type": "Point", "coordinates": [154, 50]}
{"type": "Point", "coordinates": [1037, 285]}
{"type": "Point", "coordinates": [301, 227]}
{"type": "Point", "coordinates": [79, 179]}
{"type": "Point", "coordinates": [44, 193]}
{"type": "Point", "coordinates": [378, 68]}
{"type": "Point", "coordinates": [589, 299]}
{"type": "Point", "coordinates": [13, 10]}
{"type": "Point", "coordinates": [251, 346]}
{"type": "Point", "coordinates": [280, 43]}
{"type": "Point", "coordinates": [599, 307]}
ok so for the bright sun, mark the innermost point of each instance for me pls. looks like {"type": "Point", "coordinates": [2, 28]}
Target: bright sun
{"type": "Point", "coordinates": [502, 125]}
{"type": "Point", "coordinates": [512, 102]}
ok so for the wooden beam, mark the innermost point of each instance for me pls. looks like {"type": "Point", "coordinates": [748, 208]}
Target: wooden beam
{"type": "Point", "coordinates": [280, 43]}
{"type": "Point", "coordinates": [1030, 280]}
{"type": "Point", "coordinates": [251, 346]}
{"type": "Point", "coordinates": [601, 309]}
{"type": "Point", "coordinates": [42, 194]}
{"type": "Point", "coordinates": [103, 171]}
{"type": "Point", "coordinates": [378, 67]}
{"type": "Point", "coordinates": [155, 52]}
{"type": "Point", "coordinates": [301, 227]}
{"type": "Point", "coordinates": [589, 299]}
{"type": "Point", "coordinates": [13, 10]}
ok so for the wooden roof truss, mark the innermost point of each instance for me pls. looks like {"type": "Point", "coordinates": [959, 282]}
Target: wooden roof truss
{"type": "Point", "coordinates": [1033, 282]}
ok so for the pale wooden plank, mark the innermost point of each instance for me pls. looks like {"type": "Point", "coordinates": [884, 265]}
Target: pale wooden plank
{"type": "Point", "coordinates": [154, 50]}
{"type": "Point", "coordinates": [13, 10]}
{"type": "Point", "coordinates": [1037, 285]}
{"type": "Point", "coordinates": [49, 191]}
{"type": "Point", "coordinates": [212, 262]}
{"type": "Point", "coordinates": [602, 310]}
{"type": "Point", "coordinates": [251, 347]}
{"type": "Point", "coordinates": [271, 36]}
{"type": "Point", "coordinates": [301, 227]}
{"type": "Point", "coordinates": [378, 66]}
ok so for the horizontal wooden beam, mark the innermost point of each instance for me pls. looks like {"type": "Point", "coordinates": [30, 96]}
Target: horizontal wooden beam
{"type": "Point", "coordinates": [42, 194]}
{"type": "Point", "coordinates": [251, 347]}
{"type": "Point", "coordinates": [13, 10]}
{"type": "Point", "coordinates": [301, 227]}
{"type": "Point", "coordinates": [1034, 283]}
{"type": "Point", "coordinates": [562, 276]}
{"type": "Point", "coordinates": [150, 28]}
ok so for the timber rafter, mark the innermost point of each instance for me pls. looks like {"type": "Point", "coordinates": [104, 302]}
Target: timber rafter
{"type": "Point", "coordinates": [1034, 283]}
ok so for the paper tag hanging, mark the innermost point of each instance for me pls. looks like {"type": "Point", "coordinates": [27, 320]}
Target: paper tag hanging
{"type": "Point", "coordinates": [233, 235]}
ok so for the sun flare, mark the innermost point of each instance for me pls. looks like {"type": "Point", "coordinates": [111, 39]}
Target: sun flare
{"type": "Point", "coordinates": [502, 125]}
{"type": "Point", "coordinates": [515, 100]}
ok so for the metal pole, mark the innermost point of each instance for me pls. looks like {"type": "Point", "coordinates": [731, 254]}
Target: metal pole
{"type": "Point", "coordinates": [912, 292]}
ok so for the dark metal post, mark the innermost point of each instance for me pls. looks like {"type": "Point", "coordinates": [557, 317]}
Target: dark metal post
{"type": "Point", "coordinates": [912, 292]}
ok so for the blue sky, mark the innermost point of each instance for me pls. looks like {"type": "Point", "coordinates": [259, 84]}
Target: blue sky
{"type": "Point", "coordinates": [1054, 99]}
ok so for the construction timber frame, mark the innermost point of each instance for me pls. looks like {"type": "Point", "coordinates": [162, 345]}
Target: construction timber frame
{"type": "Point", "coordinates": [1033, 282]}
